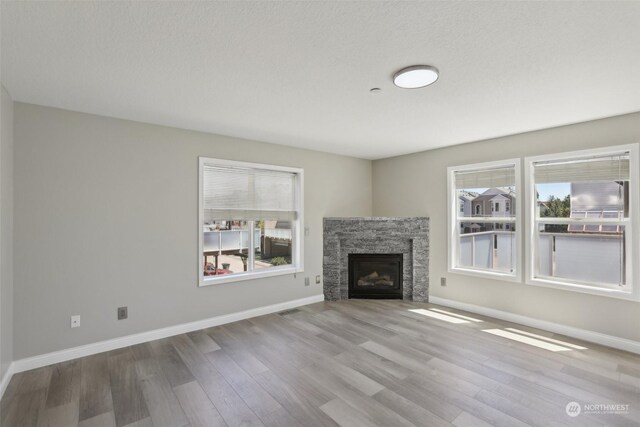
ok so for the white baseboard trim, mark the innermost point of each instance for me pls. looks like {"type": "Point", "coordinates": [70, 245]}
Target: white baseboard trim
{"type": "Point", "coordinates": [570, 331]}
{"type": "Point", "coordinates": [4, 382]}
{"type": "Point", "coordinates": [112, 344]}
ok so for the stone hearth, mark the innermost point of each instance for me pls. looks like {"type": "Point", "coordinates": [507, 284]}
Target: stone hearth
{"type": "Point", "coordinates": [376, 235]}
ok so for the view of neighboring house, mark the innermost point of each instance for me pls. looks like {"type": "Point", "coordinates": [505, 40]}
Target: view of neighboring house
{"type": "Point", "coordinates": [494, 202]}
{"type": "Point", "coordinates": [464, 207]}
{"type": "Point", "coordinates": [565, 251]}
{"type": "Point", "coordinates": [464, 202]}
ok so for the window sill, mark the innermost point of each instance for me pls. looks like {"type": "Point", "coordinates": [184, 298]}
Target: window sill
{"type": "Point", "coordinates": [486, 274]}
{"type": "Point", "coordinates": [241, 277]}
{"type": "Point", "coordinates": [585, 289]}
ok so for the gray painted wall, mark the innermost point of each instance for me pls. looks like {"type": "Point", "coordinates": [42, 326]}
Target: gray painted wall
{"type": "Point", "coordinates": [416, 185]}
{"type": "Point", "coordinates": [6, 231]}
{"type": "Point", "coordinates": [106, 215]}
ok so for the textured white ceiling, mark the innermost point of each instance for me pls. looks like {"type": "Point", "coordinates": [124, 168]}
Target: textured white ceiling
{"type": "Point", "coordinates": [299, 73]}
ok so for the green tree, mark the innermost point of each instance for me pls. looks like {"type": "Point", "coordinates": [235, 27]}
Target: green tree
{"type": "Point", "coordinates": [556, 208]}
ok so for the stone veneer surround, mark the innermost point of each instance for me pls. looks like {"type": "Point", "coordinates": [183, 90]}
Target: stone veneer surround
{"type": "Point", "coordinates": [376, 235]}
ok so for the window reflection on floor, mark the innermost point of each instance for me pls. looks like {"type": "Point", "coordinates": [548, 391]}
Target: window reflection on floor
{"type": "Point", "coordinates": [513, 334]}
{"type": "Point", "coordinates": [471, 319]}
{"type": "Point", "coordinates": [439, 316]}
{"type": "Point", "coordinates": [527, 340]}
{"type": "Point", "coordinates": [566, 344]}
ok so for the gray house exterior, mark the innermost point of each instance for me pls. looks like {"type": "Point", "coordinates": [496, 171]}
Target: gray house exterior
{"type": "Point", "coordinates": [494, 202]}
{"type": "Point", "coordinates": [465, 198]}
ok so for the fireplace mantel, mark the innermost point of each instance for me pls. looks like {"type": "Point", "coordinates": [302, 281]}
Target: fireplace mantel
{"type": "Point", "coordinates": [376, 235]}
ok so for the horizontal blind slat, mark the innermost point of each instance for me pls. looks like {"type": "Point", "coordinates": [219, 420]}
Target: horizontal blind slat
{"type": "Point", "coordinates": [587, 170]}
{"type": "Point", "coordinates": [485, 178]}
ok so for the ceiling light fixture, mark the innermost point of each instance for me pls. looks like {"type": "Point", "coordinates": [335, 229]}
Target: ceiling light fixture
{"type": "Point", "coordinates": [415, 77]}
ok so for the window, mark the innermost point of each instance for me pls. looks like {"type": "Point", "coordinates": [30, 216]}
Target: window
{"type": "Point", "coordinates": [479, 243]}
{"type": "Point", "coordinates": [250, 217]}
{"type": "Point", "coordinates": [583, 211]}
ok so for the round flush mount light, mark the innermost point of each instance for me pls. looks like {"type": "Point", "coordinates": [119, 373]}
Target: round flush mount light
{"type": "Point", "coordinates": [415, 77]}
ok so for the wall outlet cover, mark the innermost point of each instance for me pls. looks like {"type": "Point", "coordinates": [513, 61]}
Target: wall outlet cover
{"type": "Point", "coordinates": [75, 321]}
{"type": "Point", "coordinates": [306, 281]}
{"type": "Point", "coordinates": [443, 281]}
{"type": "Point", "coordinates": [318, 279]}
{"type": "Point", "coordinates": [123, 313]}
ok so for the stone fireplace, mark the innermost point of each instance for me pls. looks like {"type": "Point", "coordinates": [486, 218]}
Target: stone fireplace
{"type": "Point", "coordinates": [376, 257]}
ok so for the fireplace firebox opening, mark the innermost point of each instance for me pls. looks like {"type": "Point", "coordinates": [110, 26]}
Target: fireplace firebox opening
{"type": "Point", "coordinates": [376, 276]}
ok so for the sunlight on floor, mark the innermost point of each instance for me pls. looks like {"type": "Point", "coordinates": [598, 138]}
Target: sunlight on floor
{"type": "Point", "coordinates": [439, 316]}
{"type": "Point", "coordinates": [566, 344]}
{"type": "Point", "coordinates": [526, 340]}
{"type": "Point", "coordinates": [514, 334]}
{"type": "Point", "coordinates": [471, 319]}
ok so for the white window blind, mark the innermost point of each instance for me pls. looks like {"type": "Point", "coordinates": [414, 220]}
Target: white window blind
{"type": "Point", "coordinates": [609, 168]}
{"type": "Point", "coordinates": [485, 178]}
{"type": "Point", "coordinates": [249, 194]}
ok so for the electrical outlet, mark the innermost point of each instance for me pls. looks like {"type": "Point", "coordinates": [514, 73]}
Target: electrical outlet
{"type": "Point", "coordinates": [317, 279]}
{"type": "Point", "coordinates": [75, 321]}
{"type": "Point", "coordinates": [306, 281]}
{"type": "Point", "coordinates": [443, 281]}
{"type": "Point", "coordinates": [122, 313]}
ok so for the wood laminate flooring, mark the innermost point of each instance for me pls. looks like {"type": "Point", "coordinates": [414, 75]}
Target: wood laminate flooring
{"type": "Point", "coordinates": [349, 363]}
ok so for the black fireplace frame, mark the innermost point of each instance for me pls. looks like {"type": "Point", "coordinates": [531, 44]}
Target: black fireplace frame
{"type": "Point", "coordinates": [355, 293]}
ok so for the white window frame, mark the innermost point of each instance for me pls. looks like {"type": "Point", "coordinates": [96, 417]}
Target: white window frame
{"type": "Point", "coordinates": [632, 241]}
{"type": "Point", "coordinates": [297, 241]}
{"type": "Point", "coordinates": [453, 219]}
